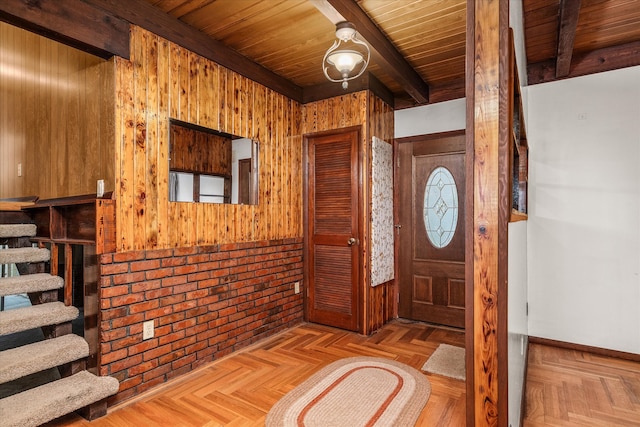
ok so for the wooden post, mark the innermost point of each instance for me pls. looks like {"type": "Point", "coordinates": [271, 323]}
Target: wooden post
{"type": "Point", "coordinates": [487, 211]}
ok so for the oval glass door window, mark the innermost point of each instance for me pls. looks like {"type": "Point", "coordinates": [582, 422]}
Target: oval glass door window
{"type": "Point", "coordinates": [440, 207]}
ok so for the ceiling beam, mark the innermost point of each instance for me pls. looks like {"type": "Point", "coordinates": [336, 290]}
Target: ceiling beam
{"type": "Point", "coordinates": [569, 12]}
{"type": "Point", "coordinates": [74, 23]}
{"type": "Point", "coordinates": [596, 61]}
{"type": "Point", "coordinates": [143, 14]}
{"type": "Point", "coordinates": [383, 51]}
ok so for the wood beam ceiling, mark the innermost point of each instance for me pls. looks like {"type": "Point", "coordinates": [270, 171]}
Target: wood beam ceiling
{"type": "Point", "coordinates": [597, 61]}
{"type": "Point", "coordinates": [74, 23]}
{"type": "Point", "coordinates": [383, 51]}
{"type": "Point", "coordinates": [569, 12]}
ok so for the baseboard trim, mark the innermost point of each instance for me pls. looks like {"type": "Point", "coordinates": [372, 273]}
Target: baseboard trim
{"type": "Point", "coordinates": [586, 348]}
{"type": "Point", "coordinates": [523, 399]}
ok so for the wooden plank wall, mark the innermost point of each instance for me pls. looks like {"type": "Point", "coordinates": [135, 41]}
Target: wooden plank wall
{"type": "Point", "coordinates": [162, 81]}
{"type": "Point", "coordinates": [376, 118]}
{"type": "Point", "coordinates": [56, 117]}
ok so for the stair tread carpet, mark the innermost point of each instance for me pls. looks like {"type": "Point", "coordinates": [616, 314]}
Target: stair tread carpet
{"type": "Point", "coordinates": [49, 401]}
{"type": "Point", "coordinates": [29, 359]}
{"type": "Point", "coordinates": [20, 255]}
{"type": "Point", "coordinates": [29, 283]}
{"type": "Point", "coordinates": [17, 230]}
{"type": "Point", "coordinates": [36, 316]}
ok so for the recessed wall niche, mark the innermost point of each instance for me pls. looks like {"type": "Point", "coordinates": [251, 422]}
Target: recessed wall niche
{"type": "Point", "coordinates": [208, 166]}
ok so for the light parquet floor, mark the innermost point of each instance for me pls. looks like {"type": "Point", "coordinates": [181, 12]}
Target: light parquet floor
{"type": "Point", "coordinates": [574, 388]}
{"type": "Point", "coordinates": [239, 389]}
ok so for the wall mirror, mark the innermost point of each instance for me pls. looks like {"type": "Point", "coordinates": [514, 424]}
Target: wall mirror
{"type": "Point", "coordinates": [208, 166]}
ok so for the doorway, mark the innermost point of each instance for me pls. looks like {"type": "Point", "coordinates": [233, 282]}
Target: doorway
{"type": "Point", "coordinates": [332, 224]}
{"type": "Point", "coordinates": [431, 249]}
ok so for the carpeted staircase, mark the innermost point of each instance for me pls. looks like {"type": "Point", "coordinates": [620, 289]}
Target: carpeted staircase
{"type": "Point", "coordinates": [78, 389]}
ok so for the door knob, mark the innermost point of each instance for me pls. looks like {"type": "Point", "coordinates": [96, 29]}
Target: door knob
{"type": "Point", "coordinates": [352, 241]}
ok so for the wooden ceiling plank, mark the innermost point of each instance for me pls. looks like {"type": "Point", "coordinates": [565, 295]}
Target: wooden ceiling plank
{"type": "Point", "coordinates": [597, 61]}
{"type": "Point", "coordinates": [143, 14]}
{"type": "Point", "coordinates": [569, 12]}
{"type": "Point", "coordinates": [383, 51]}
{"type": "Point", "coordinates": [74, 23]}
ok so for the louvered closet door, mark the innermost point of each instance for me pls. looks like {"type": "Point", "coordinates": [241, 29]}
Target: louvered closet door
{"type": "Point", "coordinates": [332, 229]}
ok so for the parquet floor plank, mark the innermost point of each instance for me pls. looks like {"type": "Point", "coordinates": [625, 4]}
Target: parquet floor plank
{"type": "Point", "coordinates": [563, 387]}
{"type": "Point", "coordinates": [240, 389]}
{"type": "Point", "coordinates": [575, 388]}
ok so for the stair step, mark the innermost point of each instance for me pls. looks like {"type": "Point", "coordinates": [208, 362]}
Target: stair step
{"type": "Point", "coordinates": [26, 360]}
{"type": "Point", "coordinates": [19, 255]}
{"type": "Point", "coordinates": [36, 316]}
{"type": "Point", "coordinates": [29, 283]}
{"type": "Point", "coordinates": [17, 230]}
{"type": "Point", "coordinates": [55, 399]}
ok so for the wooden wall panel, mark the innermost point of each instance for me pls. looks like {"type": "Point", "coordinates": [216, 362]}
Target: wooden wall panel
{"type": "Point", "coordinates": [163, 81]}
{"type": "Point", "coordinates": [56, 119]}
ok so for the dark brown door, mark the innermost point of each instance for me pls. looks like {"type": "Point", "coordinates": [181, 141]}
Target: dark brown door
{"type": "Point", "coordinates": [431, 195]}
{"type": "Point", "coordinates": [331, 229]}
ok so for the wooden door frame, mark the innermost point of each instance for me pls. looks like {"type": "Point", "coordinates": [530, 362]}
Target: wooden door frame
{"type": "Point", "coordinates": [361, 223]}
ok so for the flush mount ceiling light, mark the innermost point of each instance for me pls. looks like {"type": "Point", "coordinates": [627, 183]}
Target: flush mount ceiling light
{"type": "Point", "coordinates": [343, 61]}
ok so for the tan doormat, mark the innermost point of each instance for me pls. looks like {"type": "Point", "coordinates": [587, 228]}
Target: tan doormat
{"type": "Point", "coordinates": [447, 360]}
{"type": "Point", "coordinates": [358, 391]}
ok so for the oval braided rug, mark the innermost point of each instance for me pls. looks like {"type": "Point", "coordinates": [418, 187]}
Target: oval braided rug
{"type": "Point", "coordinates": [357, 391]}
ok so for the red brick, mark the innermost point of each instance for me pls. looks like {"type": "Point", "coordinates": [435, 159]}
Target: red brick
{"type": "Point", "coordinates": [159, 273]}
{"type": "Point", "coordinates": [159, 253]}
{"type": "Point", "coordinates": [126, 299]}
{"type": "Point", "coordinates": [157, 293]}
{"type": "Point", "coordinates": [175, 280]}
{"type": "Point", "coordinates": [219, 256]}
{"type": "Point", "coordinates": [188, 250]}
{"type": "Point", "coordinates": [174, 355]}
{"type": "Point", "coordinates": [159, 312]}
{"type": "Point", "coordinates": [144, 265]}
{"type": "Point", "coordinates": [113, 356]}
{"type": "Point", "coordinates": [143, 347]}
{"type": "Point", "coordinates": [175, 336]}
{"type": "Point", "coordinates": [173, 261]}
{"type": "Point", "coordinates": [114, 269]}
{"type": "Point", "coordinates": [143, 367]}
{"type": "Point", "coordinates": [173, 299]}
{"type": "Point", "coordinates": [125, 363]}
{"type": "Point", "coordinates": [185, 305]}
{"type": "Point", "coordinates": [185, 269]}
{"type": "Point", "coordinates": [113, 334]}
{"type": "Point", "coordinates": [170, 319]}
{"type": "Point", "coordinates": [157, 352]}
{"type": "Point", "coordinates": [187, 287]}
{"type": "Point", "coordinates": [127, 320]}
{"type": "Point", "coordinates": [114, 313]}
{"type": "Point", "coordinates": [196, 259]}
{"type": "Point", "coordinates": [129, 383]}
{"type": "Point", "coordinates": [124, 343]}
{"type": "Point", "coordinates": [184, 324]}
{"type": "Point", "coordinates": [105, 259]}
{"type": "Point", "coordinates": [143, 306]}
{"type": "Point", "coordinates": [149, 383]}
{"type": "Point", "coordinates": [122, 279]}
{"type": "Point", "coordinates": [199, 277]}
{"type": "Point", "coordinates": [184, 361]}
{"type": "Point", "coordinates": [128, 256]}
{"type": "Point", "coordinates": [146, 285]}
{"type": "Point", "coordinates": [105, 304]}
{"type": "Point", "coordinates": [183, 342]}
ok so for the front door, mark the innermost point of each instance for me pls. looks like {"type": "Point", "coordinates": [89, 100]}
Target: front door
{"type": "Point", "coordinates": [431, 193]}
{"type": "Point", "coordinates": [331, 228]}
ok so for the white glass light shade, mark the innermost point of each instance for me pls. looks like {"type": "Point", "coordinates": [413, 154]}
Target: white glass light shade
{"type": "Point", "coordinates": [345, 60]}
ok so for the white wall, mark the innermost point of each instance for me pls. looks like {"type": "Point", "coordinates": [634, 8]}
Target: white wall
{"type": "Point", "coordinates": [517, 265]}
{"type": "Point", "coordinates": [584, 210]}
{"type": "Point", "coordinates": [433, 118]}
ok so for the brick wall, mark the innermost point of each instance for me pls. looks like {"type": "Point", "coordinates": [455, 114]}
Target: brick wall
{"type": "Point", "coordinates": [205, 302]}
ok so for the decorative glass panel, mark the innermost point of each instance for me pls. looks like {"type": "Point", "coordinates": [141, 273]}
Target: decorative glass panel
{"type": "Point", "coordinates": [440, 207]}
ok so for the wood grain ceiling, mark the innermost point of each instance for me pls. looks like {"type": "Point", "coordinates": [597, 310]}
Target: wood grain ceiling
{"type": "Point", "coordinates": [418, 46]}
